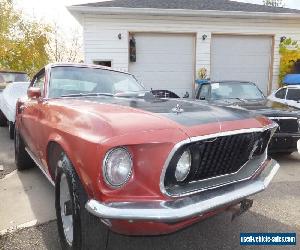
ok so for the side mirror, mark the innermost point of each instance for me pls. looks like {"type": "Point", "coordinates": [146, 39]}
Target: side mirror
{"type": "Point", "coordinates": [186, 95]}
{"type": "Point", "coordinates": [34, 92]}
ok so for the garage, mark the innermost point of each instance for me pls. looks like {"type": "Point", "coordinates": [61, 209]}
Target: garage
{"type": "Point", "coordinates": [243, 57]}
{"type": "Point", "coordinates": [165, 61]}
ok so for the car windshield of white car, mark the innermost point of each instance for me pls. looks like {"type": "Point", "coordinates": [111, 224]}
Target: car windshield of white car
{"type": "Point", "coordinates": [83, 81]}
{"type": "Point", "coordinates": [234, 90]}
{"type": "Point", "coordinates": [13, 77]}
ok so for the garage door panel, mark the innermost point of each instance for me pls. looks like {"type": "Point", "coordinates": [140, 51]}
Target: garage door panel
{"type": "Point", "coordinates": [242, 43]}
{"type": "Point", "coordinates": [163, 42]}
{"type": "Point", "coordinates": [150, 67]}
{"type": "Point", "coordinates": [165, 61]}
{"type": "Point", "coordinates": [245, 58]}
{"type": "Point", "coordinates": [248, 62]}
{"type": "Point", "coordinates": [172, 80]}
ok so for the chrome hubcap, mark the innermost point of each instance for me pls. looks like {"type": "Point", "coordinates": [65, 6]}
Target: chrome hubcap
{"type": "Point", "coordinates": [66, 209]}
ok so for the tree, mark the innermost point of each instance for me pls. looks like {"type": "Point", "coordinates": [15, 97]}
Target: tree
{"type": "Point", "coordinates": [289, 50]}
{"type": "Point", "coordinates": [23, 41]}
{"type": "Point", "coordinates": [64, 47]}
{"type": "Point", "coordinates": [274, 3]}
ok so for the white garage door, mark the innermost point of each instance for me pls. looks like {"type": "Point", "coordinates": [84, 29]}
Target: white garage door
{"type": "Point", "coordinates": [246, 58]}
{"type": "Point", "coordinates": [165, 61]}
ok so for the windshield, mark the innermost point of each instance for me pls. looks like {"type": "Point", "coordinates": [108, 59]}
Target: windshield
{"type": "Point", "coordinates": [66, 81]}
{"type": "Point", "coordinates": [13, 77]}
{"type": "Point", "coordinates": [233, 90]}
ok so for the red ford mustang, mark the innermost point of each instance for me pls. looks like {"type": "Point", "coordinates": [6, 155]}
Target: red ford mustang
{"type": "Point", "coordinates": [124, 160]}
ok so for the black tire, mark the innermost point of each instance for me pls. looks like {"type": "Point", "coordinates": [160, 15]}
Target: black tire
{"type": "Point", "coordinates": [3, 120]}
{"type": "Point", "coordinates": [22, 159]}
{"type": "Point", "coordinates": [281, 154]}
{"type": "Point", "coordinates": [88, 231]}
{"type": "Point", "coordinates": [11, 129]}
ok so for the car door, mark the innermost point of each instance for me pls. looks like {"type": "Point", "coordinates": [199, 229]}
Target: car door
{"type": "Point", "coordinates": [31, 115]}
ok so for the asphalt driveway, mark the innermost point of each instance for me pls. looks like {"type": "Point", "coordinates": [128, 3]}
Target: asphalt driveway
{"type": "Point", "coordinates": [275, 210]}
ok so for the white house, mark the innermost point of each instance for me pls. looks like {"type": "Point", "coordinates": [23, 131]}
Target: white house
{"type": "Point", "coordinates": [165, 42]}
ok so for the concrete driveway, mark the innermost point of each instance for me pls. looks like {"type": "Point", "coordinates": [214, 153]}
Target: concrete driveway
{"type": "Point", "coordinates": [27, 198]}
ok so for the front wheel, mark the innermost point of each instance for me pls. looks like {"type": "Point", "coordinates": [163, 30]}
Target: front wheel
{"type": "Point", "coordinates": [77, 228]}
{"type": "Point", "coordinates": [11, 129]}
{"type": "Point", "coordinates": [22, 158]}
{"type": "Point", "coordinates": [3, 120]}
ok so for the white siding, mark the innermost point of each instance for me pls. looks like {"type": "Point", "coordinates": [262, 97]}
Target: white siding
{"type": "Point", "coordinates": [101, 35]}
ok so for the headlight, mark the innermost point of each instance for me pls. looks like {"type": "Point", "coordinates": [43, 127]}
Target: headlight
{"type": "Point", "coordinates": [117, 166]}
{"type": "Point", "coordinates": [183, 166]}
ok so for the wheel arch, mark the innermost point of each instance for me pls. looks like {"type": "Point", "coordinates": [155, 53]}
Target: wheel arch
{"type": "Point", "coordinates": [57, 145]}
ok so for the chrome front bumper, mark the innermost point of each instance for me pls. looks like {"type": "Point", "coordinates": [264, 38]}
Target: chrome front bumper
{"type": "Point", "coordinates": [187, 207]}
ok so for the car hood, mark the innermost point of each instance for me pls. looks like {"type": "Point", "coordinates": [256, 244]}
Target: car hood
{"type": "Point", "coordinates": [263, 107]}
{"type": "Point", "coordinates": [194, 118]}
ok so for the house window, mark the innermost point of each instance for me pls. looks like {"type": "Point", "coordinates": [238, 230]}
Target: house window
{"type": "Point", "coordinates": [103, 63]}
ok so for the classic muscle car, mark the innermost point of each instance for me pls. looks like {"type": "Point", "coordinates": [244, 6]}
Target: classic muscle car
{"type": "Point", "coordinates": [123, 160]}
{"type": "Point", "coordinates": [248, 96]}
{"type": "Point", "coordinates": [8, 100]}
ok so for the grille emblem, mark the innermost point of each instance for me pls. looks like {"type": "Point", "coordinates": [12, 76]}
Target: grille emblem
{"type": "Point", "coordinates": [177, 109]}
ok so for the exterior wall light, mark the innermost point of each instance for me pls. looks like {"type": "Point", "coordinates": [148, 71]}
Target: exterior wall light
{"type": "Point", "coordinates": [282, 39]}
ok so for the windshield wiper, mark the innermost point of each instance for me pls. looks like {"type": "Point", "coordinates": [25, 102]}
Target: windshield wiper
{"type": "Point", "coordinates": [88, 94]}
{"type": "Point", "coordinates": [236, 98]}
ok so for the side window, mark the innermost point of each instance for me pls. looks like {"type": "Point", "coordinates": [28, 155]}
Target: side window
{"type": "Point", "coordinates": [39, 81]}
{"type": "Point", "coordinates": [281, 93]}
{"type": "Point", "coordinates": [204, 92]}
{"type": "Point", "coordinates": [293, 94]}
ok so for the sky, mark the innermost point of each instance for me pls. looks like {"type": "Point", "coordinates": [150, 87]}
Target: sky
{"type": "Point", "coordinates": [54, 11]}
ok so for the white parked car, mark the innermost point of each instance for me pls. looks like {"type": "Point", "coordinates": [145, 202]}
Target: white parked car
{"type": "Point", "coordinates": [8, 100]}
{"type": "Point", "coordinates": [289, 95]}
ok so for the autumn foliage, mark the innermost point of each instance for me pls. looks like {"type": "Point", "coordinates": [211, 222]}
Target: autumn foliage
{"type": "Point", "coordinates": [23, 41]}
{"type": "Point", "coordinates": [290, 55]}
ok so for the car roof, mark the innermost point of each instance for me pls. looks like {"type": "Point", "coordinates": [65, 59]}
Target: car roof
{"type": "Point", "coordinates": [229, 81]}
{"type": "Point", "coordinates": [293, 86]}
{"type": "Point", "coordinates": [12, 71]}
{"type": "Point", "coordinates": [84, 65]}
{"type": "Point", "coordinates": [290, 87]}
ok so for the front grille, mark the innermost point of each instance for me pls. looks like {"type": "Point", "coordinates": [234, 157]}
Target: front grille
{"type": "Point", "coordinates": [218, 156]}
{"type": "Point", "coordinates": [286, 125]}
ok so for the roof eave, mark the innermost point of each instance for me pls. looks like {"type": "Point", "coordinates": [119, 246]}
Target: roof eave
{"type": "Point", "coordinates": [77, 11]}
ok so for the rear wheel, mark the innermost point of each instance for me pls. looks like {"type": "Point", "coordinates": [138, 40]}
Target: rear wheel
{"type": "Point", "coordinates": [22, 159]}
{"type": "Point", "coordinates": [3, 120]}
{"type": "Point", "coordinates": [77, 228]}
{"type": "Point", "coordinates": [11, 129]}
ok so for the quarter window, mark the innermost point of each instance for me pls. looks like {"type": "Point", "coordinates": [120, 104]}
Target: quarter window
{"type": "Point", "coordinates": [39, 82]}
{"type": "Point", "coordinates": [281, 93]}
{"type": "Point", "coordinates": [293, 94]}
